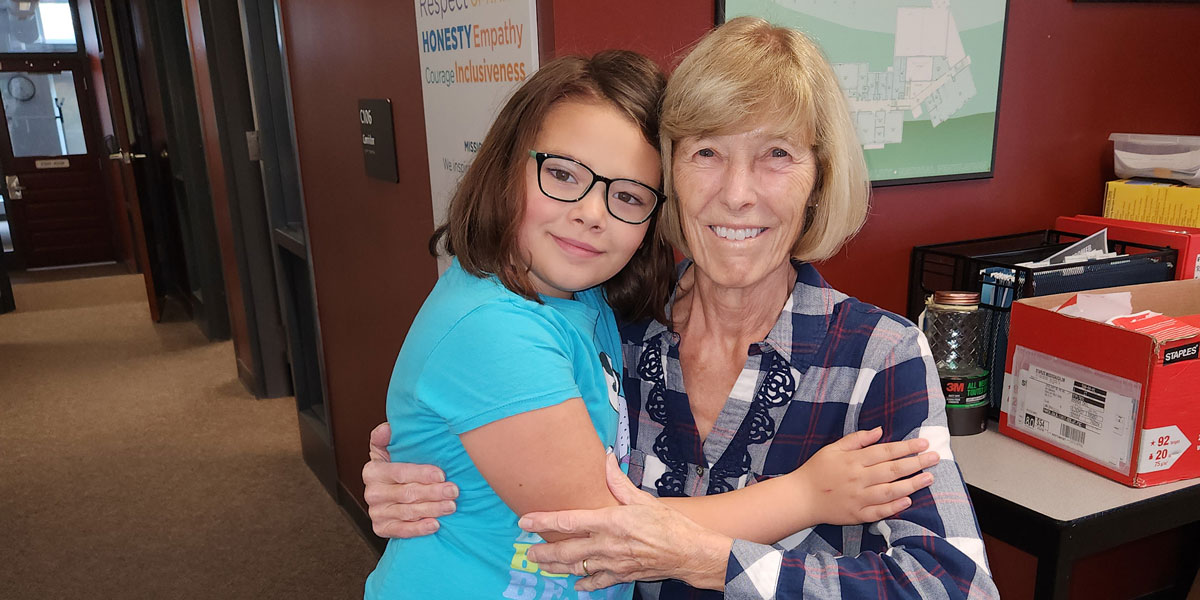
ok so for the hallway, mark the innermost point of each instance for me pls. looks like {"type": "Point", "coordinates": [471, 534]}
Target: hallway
{"type": "Point", "coordinates": [133, 464]}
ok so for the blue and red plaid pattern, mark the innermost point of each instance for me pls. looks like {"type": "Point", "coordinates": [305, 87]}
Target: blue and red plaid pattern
{"type": "Point", "coordinates": [831, 365]}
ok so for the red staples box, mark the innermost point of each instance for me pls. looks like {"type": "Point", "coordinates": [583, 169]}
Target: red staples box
{"type": "Point", "coordinates": [1122, 403]}
{"type": "Point", "coordinates": [1184, 239]}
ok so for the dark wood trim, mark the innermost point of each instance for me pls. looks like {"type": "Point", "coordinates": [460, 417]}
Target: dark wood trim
{"type": "Point", "coordinates": [253, 265]}
{"type": "Point", "coordinates": [357, 514]}
{"type": "Point", "coordinates": [270, 87]}
{"type": "Point", "coordinates": [317, 448]}
{"type": "Point", "coordinates": [7, 303]}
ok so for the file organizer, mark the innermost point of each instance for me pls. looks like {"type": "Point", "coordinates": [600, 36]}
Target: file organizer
{"type": "Point", "coordinates": [989, 266]}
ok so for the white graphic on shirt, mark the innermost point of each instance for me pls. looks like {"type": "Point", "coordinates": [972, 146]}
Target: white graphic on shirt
{"type": "Point", "coordinates": [613, 379]}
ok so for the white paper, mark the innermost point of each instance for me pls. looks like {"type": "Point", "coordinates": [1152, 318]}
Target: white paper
{"type": "Point", "coordinates": [1100, 307]}
{"type": "Point", "coordinates": [1092, 247]}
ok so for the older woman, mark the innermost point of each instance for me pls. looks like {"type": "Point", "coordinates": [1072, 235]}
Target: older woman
{"type": "Point", "coordinates": [762, 363]}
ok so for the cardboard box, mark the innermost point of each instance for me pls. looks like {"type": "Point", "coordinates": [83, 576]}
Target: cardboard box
{"type": "Point", "coordinates": [1117, 402]}
{"type": "Point", "coordinates": [1152, 202]}
{"type": "Point", "coordinates": [1185, 240]}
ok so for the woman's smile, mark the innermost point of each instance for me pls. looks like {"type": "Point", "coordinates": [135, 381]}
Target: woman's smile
{"type": "Point", "coordinates": [737, 234]}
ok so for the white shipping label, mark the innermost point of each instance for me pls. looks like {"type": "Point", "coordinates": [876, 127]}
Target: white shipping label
{"type": "Point", "coordinates": [1089, 418]}
{"type": "Point", "coordinates": [1196, 273]}
{"type": "Point", "coordinates": [1006, 398]}
{"type": "Point", "coordinates": [1160, 448]}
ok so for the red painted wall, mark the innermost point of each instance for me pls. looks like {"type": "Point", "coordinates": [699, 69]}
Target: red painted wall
{"type": "Point", "coordinates": [662, 30]}
{"type": "Point", "coordinates": [1073, 73]}
{"type": "Point", "coordinates": [1070, 78]}
{"type": "Point", "coordinates": [372, 269]}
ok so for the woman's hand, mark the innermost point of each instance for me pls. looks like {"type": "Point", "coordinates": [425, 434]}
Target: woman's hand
{"type": "Point", "coordinates": [852, 481]}
{"type": "Point", "coordinates": [641, 540]}
{"type": "Point", "coordinates": [403, 499]}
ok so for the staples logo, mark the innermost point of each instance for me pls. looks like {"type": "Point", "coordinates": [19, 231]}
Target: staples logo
{"type": "Point", "coordinates": [1182, 353]}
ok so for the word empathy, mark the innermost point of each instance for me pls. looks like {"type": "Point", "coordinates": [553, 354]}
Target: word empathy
{"type": "Point", "coordinates": [462, 37]}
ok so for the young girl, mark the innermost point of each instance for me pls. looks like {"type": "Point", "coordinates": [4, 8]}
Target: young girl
{"type": "Point", "coordinates": [509, 373]}
{"type": "Point", "coordinates": [509, 377]}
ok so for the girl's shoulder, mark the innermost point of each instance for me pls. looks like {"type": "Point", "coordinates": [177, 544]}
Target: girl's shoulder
{"type": "Point", "coordinates": [483, 304]}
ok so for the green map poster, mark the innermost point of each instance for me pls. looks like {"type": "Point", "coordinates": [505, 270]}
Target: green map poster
{"type": "Point", "coordinates": [922, 77]}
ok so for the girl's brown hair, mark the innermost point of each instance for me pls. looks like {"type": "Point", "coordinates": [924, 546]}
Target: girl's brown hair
{"type": "Point", "coordinates": [488, 206]}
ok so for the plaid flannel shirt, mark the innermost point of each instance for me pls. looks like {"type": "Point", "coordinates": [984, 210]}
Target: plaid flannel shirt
{"type": "Point", "coordinates": [831, 365]}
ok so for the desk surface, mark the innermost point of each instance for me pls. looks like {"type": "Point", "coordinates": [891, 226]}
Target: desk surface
{"type": "Point", "coordinates": [1041, 481]}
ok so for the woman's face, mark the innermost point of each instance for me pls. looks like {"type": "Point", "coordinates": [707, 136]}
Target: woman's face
{"type": "Point", "coordinates": [572, 246]}
{"type": "Point", "coordinates": [742, 200]}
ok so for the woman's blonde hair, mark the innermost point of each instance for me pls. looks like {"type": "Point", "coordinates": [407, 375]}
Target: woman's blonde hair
{"type": "Point", "coordinates": [747, 74]}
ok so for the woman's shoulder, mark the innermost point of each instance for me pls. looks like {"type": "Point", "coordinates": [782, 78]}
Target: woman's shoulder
{"type": "Point", "coordinates": [880, 338]}
{"type": "Point", "coordinates": [856, 332]}
{"type": "Point", "coordinates": [866, 313]}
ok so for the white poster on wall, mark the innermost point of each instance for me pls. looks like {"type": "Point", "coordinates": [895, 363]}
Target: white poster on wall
{"type": "Point", "coordinates": [474, 53]}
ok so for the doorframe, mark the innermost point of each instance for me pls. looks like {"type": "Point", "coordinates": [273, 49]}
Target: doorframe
{"type": "Point", "coordinates": [271, 94]}
{"type": "Point", "coordinates": [187, 172]}
{"type": "Point", "coordinates": [217, 25]}
{"type": "Point", "coordinates": [158, 95]}
{"type": "Point", "coordinates": [88, 114]}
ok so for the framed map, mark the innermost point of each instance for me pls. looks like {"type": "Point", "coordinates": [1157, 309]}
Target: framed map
{"type": "Point", "coordinates": [922, 77]}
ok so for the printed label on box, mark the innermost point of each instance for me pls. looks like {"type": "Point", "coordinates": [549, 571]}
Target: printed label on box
{"type": "Point", "coordinates": [1182, 353]}
{"type": "Point", "coordinates": [1160, 448]}
{"type": "Point", "coordinates": [1086, 411]}
{"type": "Point", "coordinates": [1006, 398]}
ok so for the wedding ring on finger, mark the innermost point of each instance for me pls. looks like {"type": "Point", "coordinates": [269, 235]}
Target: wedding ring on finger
{"type": "Point", "coordinates": [586, 572]}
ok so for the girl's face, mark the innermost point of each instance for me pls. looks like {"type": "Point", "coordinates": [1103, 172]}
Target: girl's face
{"type": "Point", "coordinates": [572, 246]}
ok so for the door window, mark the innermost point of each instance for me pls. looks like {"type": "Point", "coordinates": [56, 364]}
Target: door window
{"type": "Point", "coordinates": [37, 26]}
{"type": "Point", "coordinates": [43, 114]}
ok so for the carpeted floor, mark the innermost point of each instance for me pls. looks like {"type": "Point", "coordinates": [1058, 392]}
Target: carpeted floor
{"type": "Point", "coordinates": [133, 464]}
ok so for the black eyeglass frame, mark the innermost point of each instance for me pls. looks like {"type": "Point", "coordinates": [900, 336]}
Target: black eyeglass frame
{"type": "Point", "coordinates": [659, 197]}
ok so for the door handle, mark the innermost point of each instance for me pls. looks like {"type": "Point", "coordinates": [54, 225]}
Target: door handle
{"type": "Point", "coordinates": [125, 156]}
{"type": "Point", "coordinates": [15, 189]}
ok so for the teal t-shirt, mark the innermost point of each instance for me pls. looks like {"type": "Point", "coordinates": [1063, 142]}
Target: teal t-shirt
{"type": "Point", "coordinates": [475, 354]}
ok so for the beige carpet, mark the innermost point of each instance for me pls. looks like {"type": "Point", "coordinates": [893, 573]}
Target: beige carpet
{"type": "Point", "coordinates": [133, 464]}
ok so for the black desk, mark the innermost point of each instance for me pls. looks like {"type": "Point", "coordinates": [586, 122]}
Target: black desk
{"type": "Point", "coordinates": [1059, 512]}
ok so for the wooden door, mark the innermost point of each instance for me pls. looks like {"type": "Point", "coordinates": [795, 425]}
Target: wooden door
{"type": "Point", "coordinates": [117, 131]}
{"type": "Point", "coordinates": [56, 198]}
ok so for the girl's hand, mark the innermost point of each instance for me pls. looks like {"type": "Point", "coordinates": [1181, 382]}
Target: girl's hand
{"type": "Point", "coordinates": [852, 481]}
{"type": "Point", "coordinates": [403, 499]}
